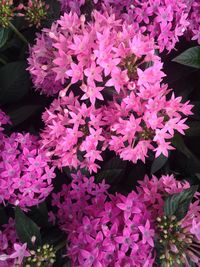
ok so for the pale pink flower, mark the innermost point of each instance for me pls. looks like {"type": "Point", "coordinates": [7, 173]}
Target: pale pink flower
{"type": "Point", "coordinates": [20, 252]}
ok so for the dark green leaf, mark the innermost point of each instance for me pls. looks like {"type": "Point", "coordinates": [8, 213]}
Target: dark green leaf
{"type": "Point", "coordinates": [190, 57]}
{"type": "Point", "coordinates": [14, 82]}
{"type": "Point", "coordinates": [3, 216]}
{"type": "Point", "coordinates": [178, 204]}
{"type": "Point", "coordinates": [109, 175]}
{"type": "Point", "coordinates": [111, 171]}
{"type": "Point", "coordinates": [4, 35]}
{"type": "Point", "coordinates": [194, 129]}
{"type": "Point", "coordinates": [178, 142]}
{"type": "Point", "coordinates": [26, 229]}
{"type": "Point", "coordinates": [115, 163]}
{"type": "Point", "coordinates": [22, 113]}
{"type": "Point", "coordinates": [197, 175]}
{"type": "Point", "coordinates": [40, 214]}
{"type": "Point", "coordinates": [158, 163]}
{"type": "Point", "coordinates": [53, 236]}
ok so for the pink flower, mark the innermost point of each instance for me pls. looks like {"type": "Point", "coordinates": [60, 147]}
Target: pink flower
{"type": "Point", "coordinates": [76, 72]}
{"type": "Point", "coordinates": [91, 92]}
{"type": "Point", "coordinates": [147, 234]}
{"type": "Point", "coordinates": [25, 173]}
{"type": "Point", "coordinates": [20, 252]}
{"type": "Point", "coordinates": [128, 207]}
{"type": "Point", "coordinates": [195, 230]}
{"type": "Point", "coordinates": [98, 232]}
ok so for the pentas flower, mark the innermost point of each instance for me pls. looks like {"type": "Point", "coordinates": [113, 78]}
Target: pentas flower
{"type": "Point", "coordinates": [25, 173]}
{"type": "Point", "coordinates": [107, 230]}
{"type": "Point", "coordinates": [20, 253]}
{"type": "Point", "coordinates": [179, 240]}
{"type": "Point", "coordinates": [193, 31]}
{"type": "Point", "coordinates": [153, 191]}
{"type": "Point", "coordinates": [73, 133]}
{"type": "Point", "coordinates": [144, 120]}
{"type": "Point", "coordinates": [12, 251]}
{"type": "Point", "coordinates": [96, 56]}
{"type": "Point", "coordinates": [107, 59]}
{"type": "Point", "coordinates": [4, 119]}
{"type": "Point", "coordinates": [104, 230]}
{"type": "Point", "coordinates": [164, 20]}
{"type": "Point", "coordinates": [42, 55]}
{"type": "Point", "coordinates": [71, 5]}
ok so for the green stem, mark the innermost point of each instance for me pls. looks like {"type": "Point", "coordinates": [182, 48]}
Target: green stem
{"type": "Point", "coordinates": [3, 61]}
{"type": "Point", "coordinates": [21, 36]}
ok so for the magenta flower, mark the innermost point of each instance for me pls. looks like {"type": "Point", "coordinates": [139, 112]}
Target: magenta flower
{"type": "Point", "coordinates": [25, 172]}
{"type": "Point", "coordinates": [20, 252]}
{"type": "Point", "coordinates": [97, 229]}
{"type": "Point", "coordinates": [147, 234]}
{"type": "Point", "coordinates": [195, 230]}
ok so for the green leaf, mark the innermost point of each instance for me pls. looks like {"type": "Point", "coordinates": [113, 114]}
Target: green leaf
{"type": "Point", "coordinates": [190, 57]}
{"type": "Point", "coordinates": [178, 204]}
{"type": "Point", "coordinates": [26, 229]}
{"type": "Point", "coordinates": [194, 129]}
{"type": "Point", "coordinates": [111, 171]}
{"type": "Point", "coordinates": [178, 142]}
{"type": "Point", "coordinates": [3, 216]}
{"type": "Point", "coordinates": [4, 35]}
{"type": "Point", "coordinates": [14, 82]}
{"type": "Point", "coordinates": [158, 163]}
{"type": "Point", "coordinates": [39, 214]}
{"type": "Point", "coordinates": [109, 175]}
{"type": "Point", "coordinates": [22, 113]}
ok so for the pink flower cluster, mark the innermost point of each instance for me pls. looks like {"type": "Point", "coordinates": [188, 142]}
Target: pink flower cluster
{"type": "Point", "coordinates": [107, 60]}
{"type": "Point", "coordinates": [4, 119]}
{"type": "Point", "coordinates": [194, 19]}
{"type": "Point", "coordinates": [153, 190]}
{"type": "Point", "coordinates": [164, 20]}
{"type": "Point", "coordinates": [107, 230]}
{"type": "Point", "coordinates": [104, 233]}
{"type": "Point", "coordinates": [145, 120]}
{"type": "Point", "coordinates": [73, 134]}
{"type": "Point", "coordinates": [25, 176]}
{"type": "Point", "coordinates": [41, 66]}
{"type": "Point", "coordinates": [12, 252]}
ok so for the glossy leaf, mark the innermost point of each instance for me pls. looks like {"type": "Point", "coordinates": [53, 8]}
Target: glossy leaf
{"type": "Point", "coordinates": [178, 204]}
{"type": "Point", "coordinates": [4, 35]}
{"type": "Point", "coordinates": [14, 82]}
{"type": "Point", "coordinates": [158, 163]}
{"type": "Point", "coordinates": [26, 229]}
{"type": "Point", "coordinates": [22, 113]}
{"type": "Point", "coordinates": [190, 57]}
{"type": "Point", "coordinates": [111, 171]}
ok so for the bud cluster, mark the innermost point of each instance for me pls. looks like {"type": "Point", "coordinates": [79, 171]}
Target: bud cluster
{"type": "Point", "coordinates": [42, 257]}
{"type": "Point", "coordinates": [177, 243]}
{"type": "Point", "coordinates": [6, 12]}
{"type": "Point", "coordinates": [35, 12]}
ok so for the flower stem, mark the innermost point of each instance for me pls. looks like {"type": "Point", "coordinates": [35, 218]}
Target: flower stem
{"type": "Point", "coordinates": [21, 36]}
